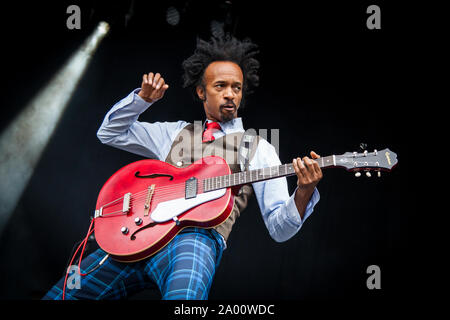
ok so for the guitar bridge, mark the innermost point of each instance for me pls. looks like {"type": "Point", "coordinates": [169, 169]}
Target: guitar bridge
{"type": "Point", "coordinates": [150, 191]}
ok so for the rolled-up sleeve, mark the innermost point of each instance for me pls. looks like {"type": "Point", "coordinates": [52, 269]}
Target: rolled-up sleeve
{"type": "Point", "coordinates": [278, 209]}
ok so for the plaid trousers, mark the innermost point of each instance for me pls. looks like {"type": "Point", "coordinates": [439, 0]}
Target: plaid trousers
{"type": "Point", "coordinates": [182, 270]}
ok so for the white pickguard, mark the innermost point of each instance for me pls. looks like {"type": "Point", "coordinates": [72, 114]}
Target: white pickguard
{"type": "Point", "coordinates": [167, 210]}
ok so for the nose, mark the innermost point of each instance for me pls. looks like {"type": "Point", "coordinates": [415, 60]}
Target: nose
{"type": "Point", "coordinates": [229, 93]}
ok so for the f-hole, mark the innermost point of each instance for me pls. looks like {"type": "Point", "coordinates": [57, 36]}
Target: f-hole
{"type": "Point", "coordinates": [154, 175]}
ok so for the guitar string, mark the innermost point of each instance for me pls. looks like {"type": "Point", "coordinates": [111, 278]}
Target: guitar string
{"type": "Point", "coordinates": [160, 196]}
{"type": "Point", "coordinates": [270, 174]}
{"type": "Point", "coordinates": [257, 172]}
{"type": "Point", "coordinates": [170, 188]}
{"type": "Point", "coordinates": [174, 191]}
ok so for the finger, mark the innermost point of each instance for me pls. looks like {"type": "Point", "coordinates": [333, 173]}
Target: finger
{"type": "Point", "coordinates": [314, 155]}
{"type": "Point", "coordinates": [317, 169]}
{"type": "Point", "coordinates": [144, 79]}
{"type": "Point", "coordinates": [163, 89]}
{"type": "Point", "coordinates": [160, 83]}
{"type": "Point", "coordinates": [315, 164]}
{"type": "Point", "coordinates": [309, 164]}
{"type": "Point", "coordinates": [296, 168]}
{"type": "Point", "coordinates": [150, 78]}
{"type": "Point", "coordinates": [156, 79]}
{"type": "Point", "coordinates": [301, 167]}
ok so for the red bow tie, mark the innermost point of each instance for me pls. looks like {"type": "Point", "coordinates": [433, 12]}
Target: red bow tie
{"type": "Point", "coordinates": [211, 127]}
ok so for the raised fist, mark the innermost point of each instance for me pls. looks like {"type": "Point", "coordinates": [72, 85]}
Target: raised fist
{"type": "Point", "coordinates": [153, 87]}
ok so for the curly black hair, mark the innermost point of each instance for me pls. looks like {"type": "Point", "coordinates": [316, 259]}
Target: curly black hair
{"type": "Point", "coordinates": [227, 48]}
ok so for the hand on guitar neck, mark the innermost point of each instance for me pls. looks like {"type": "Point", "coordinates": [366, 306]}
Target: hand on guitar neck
{"type": "Point", "coordinates": [308, 176]}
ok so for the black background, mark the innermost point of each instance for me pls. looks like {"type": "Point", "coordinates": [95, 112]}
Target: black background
{"type": "Point", "coordinates": [327, 82]}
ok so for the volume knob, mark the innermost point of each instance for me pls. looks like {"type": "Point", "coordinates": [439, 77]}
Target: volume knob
{"type": "Point", "coordinates": [124, 230]}
{"type": "Point", "coordinates": [138, 221]}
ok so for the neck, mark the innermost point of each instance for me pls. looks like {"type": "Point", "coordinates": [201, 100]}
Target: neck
{"type": "Point", "coordinates": [257, 175]}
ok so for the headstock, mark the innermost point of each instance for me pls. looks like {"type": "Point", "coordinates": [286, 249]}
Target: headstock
{"type": "Point", "coordinates": [378, 160]}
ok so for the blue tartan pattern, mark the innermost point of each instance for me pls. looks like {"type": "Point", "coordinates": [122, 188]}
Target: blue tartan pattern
{"type": "Point", "coordinates": [183, 270]}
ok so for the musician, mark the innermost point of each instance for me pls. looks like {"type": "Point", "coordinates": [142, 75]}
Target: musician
{"type": "Point", "coordinates": [221, 73]}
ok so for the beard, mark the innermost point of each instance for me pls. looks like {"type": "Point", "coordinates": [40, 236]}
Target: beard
{"type": "Point", "coordinates": [227, 115]}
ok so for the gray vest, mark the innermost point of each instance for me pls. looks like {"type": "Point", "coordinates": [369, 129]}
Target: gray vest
{"type": "Point", "coordinates": [188, 148]}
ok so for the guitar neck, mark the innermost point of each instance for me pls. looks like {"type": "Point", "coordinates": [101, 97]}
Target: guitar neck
{"type": "Point", "coordinates": [257, 175]}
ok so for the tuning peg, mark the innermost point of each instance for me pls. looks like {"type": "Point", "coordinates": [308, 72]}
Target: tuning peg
{"type": "Point", "coordinates": [368, 174]}
{"type": "Point", "coordinates": [379, 174]}
{"type": "Point", "coordinates": [358, 174]}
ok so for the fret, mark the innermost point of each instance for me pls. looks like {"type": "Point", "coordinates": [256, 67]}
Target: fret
{"type": "Point", "coordinates": [276, 171]}
{"type": "Point", "coordinates": [328, 161]}
{"type": "Point", "coordinates": [245, 177]}
{"type": "Point", "coordinates": [349, 161]}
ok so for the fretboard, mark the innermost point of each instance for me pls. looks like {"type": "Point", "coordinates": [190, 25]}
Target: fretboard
{"type": "Point", "coordinates": [257, 175]}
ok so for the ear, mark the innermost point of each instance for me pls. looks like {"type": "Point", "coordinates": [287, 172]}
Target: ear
{"type": "Point", "coordinates": [200, 90]}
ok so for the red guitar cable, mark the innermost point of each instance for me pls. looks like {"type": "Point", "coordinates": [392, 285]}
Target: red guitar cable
{"type": "Point", "coordinates": [81, 256]}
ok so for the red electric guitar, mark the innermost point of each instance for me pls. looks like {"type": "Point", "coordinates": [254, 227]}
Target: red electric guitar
{"type": "Point", "coordinates": [146, 203]}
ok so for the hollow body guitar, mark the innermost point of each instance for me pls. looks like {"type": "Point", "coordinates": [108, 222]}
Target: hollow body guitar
{"type": "Point", "coordinates": [145, 204]}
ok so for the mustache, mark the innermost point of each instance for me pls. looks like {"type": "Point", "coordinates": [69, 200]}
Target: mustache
{"type": "Point", "coordinates": [229, 103]}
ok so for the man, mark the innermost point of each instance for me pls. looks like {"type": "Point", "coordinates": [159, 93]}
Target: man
{"type": "Point", "coordinates": [220, 72]}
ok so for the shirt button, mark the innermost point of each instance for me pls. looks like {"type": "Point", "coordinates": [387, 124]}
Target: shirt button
{"type": "Point", "coordinates": [179, 163]}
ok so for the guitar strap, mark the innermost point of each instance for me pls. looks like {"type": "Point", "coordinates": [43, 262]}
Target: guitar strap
{"type": "Point", "coordinates": [246, 148]}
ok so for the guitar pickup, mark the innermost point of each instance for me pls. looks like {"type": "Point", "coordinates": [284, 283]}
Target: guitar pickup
{"type": "Point", "coordinates": [191, 188]}
{"type": "Point", "coordinates": [126, 202]}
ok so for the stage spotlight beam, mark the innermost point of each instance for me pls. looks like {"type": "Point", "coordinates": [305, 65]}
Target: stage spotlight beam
{"type": "Point", "coordinates": [24, 140]}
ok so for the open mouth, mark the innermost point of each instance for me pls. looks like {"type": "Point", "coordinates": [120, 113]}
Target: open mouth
{"type": "Point", "coordinates": [229, 107]}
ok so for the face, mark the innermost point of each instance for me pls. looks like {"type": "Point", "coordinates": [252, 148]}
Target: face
{"type": "Point", "coordinates": [222, 90]}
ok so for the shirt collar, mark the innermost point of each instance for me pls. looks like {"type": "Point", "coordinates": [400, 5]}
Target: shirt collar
{"type": "Point", "coordinates": [231, 126]}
